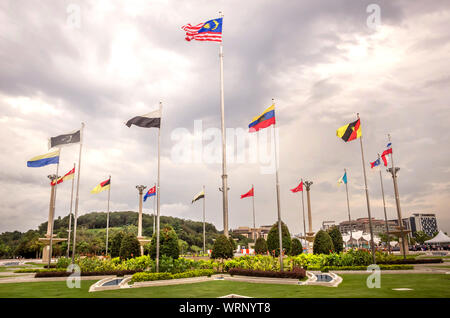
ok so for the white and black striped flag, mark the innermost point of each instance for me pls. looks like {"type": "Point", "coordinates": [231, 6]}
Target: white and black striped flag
{"type": "Point", "coordinates": [64, 140]}
{"type": "Point", "coordinates": [149, 120]}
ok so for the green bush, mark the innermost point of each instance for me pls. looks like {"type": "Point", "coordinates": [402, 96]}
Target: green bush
{"type": "Point", "coordinates": [233, 243]}
{"type": "Point", "coordinates": [222, 248]}
{"type": "Point", "coordinates": [322, 243]}
{"type": "Point", "coordinates": [63, 262]}
{"type": "Point", "coordinates": [260, 246]}
{"type": "Point", "coordinates": [147, 276]}
{"type": "Point", "coordinates": [168, 243]}
{"type": "Point", "coordinates": [273, 241]}
{"type": "Point", "coordinates": [362, 268]}
{"type": "Point", "coordinates": [130, 247]}
{"type": "Point", "coordinates": [336, 238]}
{"type": "Point", "coordinates": [116, 242]}
{"type": "Point", "coordinates": [296, 247]}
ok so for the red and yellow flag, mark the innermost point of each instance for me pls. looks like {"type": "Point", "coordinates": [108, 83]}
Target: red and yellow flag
{"type": "Point", "coordinates": [69, 175]}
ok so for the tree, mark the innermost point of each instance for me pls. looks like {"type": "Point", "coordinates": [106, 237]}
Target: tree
{"type": "Point", "coordinates": [130, 247]}
{"type": "Point", "coordinates": [421, 237]}
{"type": "Point", "coordinates": [233, 243]}
{"type": "Point", "coordinates": [336, 238]}
{"type": "Point", "coordinates": [168, 243]}
{"type": "Point", "coordinates": [261, 246]}
{"type": "Point", "coordinates": [116, 241]}
{"type": "Point", "coordinates": [296, 247]}
{"type": "Point", "coordinates": [273, 242]}
{"type": "Point", "coordinates": [222, 248]}
{"type": "Point", "coordinates": [322, 243]}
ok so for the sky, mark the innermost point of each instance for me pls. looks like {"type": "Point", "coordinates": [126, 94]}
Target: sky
{"type": "Point", "coordinates": [103, 62]}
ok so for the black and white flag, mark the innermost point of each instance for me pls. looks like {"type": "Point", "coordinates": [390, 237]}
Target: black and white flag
{"type": "Point", "coordinates": [149, 120]}
{"type": "Point", "coordinates": [64, 140]}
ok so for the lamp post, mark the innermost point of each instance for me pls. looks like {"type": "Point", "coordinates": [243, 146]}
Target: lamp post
{"type": "Point", "coordinates": [141, 189]}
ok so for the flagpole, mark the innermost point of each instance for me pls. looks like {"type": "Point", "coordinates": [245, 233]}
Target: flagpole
{"type": "Point", "coordinates": [204, 232]}
{"type": "Point", "coordinates": [280, 236]}
{"type": "Point", "coordinates": [224, 153]}
{"type": "Point", "coordinates": [107, 217]}
{"type": "Point", "coordinates": [303, 207]}
{"type": "Point", "coordinates": [348, 208]}
{"type": "Point", "coordinates": [70, 215]}
{"type": "Point", "coordinates": [254, 219]}
{"type": "Point", "coordinates": [158, 193]}
{"type": "Point", "coordinates": [154, 211]}
{"type": "Point", "coordinates": [77, 198]}
{"type": "Point", "coordinates": [397, 201]}
{"type": "Point", "coordinates": [384, 207]}
{"type": "Point", "coordinates": [367, 197]}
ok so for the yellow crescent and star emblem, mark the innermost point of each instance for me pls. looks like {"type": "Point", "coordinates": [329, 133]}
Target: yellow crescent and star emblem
{"type": "Point", "coordinates": [208, 26]}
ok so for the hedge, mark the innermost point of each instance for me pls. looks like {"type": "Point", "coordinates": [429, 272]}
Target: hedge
{"type": "Point", "coordinates": [297, 273]}
{"type": "Point", "coordinates": [93, 273]}
{"type": "Point", "coordinates": [148, 276]}
{"type": "Point", "coordinates": [359, 268]}
{"type": "Point", "coordinates": [36, 270]}
{"type": "Point", "coordinates": [414, 261]}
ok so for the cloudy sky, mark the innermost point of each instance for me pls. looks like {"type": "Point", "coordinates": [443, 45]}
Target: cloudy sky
{"type": "Point", "coordinates": [103, 62]}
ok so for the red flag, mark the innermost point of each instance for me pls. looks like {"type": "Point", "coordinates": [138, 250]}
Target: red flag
{"type": "Point", "coordinates": [384, 154]}
{"type": "Point", "coordinates": [248, 194]}
{"type": "Point", "coordinates": [67, 176]}
{"type": "Point", "coordinates": [298, 188]}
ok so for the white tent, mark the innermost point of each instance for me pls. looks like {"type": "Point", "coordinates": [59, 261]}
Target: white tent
{"type": "Point", "coordinates": [439, 238]}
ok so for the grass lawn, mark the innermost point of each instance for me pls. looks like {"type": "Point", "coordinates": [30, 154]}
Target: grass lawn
{"type": "Point", "coordinates": [354, 285]}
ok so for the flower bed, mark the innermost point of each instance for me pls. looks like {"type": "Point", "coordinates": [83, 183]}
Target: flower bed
{"type": "Point", "coordinates": [92, 273]}
{"type": "Point", "coordinates": [296, 273]}
{"type": "Point", "coordinates": [148, 276]}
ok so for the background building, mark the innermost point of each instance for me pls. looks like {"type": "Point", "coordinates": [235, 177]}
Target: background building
{"type": "Point", "coordinates": [362, 224]}
{"type": "Point", "coordinates": [423, 222]}
{"type": "Point", "coordinates": [328, 224]}
{"type": "Point", "coordinates": [253, 233]}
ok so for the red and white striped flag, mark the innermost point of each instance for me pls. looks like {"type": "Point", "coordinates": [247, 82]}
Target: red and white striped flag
{"type": "Point", "coordinates": [208, 31]}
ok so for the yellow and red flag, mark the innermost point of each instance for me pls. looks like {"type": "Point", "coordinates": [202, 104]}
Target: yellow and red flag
{"type": "Point", "coordinates": [102, 186]}
{"type": "Point", "coordinates": [68, 176]}
{"type": "Point", "coordinates": [350, 131]}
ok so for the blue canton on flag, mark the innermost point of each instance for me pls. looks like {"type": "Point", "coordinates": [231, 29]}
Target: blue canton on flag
{"type": "Point", "coordinates": [209, 31]}
{"type": "Point", "coordinates": [151, 192]}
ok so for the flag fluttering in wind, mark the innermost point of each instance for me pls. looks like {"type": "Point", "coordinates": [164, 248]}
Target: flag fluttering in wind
{"type": "Point", "coordinates": [385, 153]}
{"type": "Point", "coordinates": [68, 176]}
{"type": "Point", "coordinates": [65, 140]}
{"type": "Point", "coordinates": [298, 188]}
{"type": "Point", "coordinates": [343, 179]}
{"type": "Point", "coordinates": [266, 119]}
{"type": "Point", "coordinates": [102, 186]}
{"type": "Point", "coordinates": [198, 196]}
{"type": "Point", "coordinates": [208, 31]}
{"type": "Point", "coordinates": [349, 132]}
{"type": "Point", "coordinates": [248, 194]}
{"type": "Point", "coordinates": [152, 119]}
{"type": "Point", "coordinates": [151, 192]}
{"type": "Point", "coordinates": [43, 160]}
{"type": "Point", "coordinates": [375, 163]}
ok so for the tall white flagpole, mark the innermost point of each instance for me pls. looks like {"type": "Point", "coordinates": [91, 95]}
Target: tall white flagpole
{"type": "Point", "coordinates": [158, 191]}
{"type": "Point", "coordinates": [204, 228]}
{"type": "Point", "coordinates": [384, 208]}
{"type": "Point", "coordinates": [348, 207]}
{"type": "Point", "coordinates": [154, 211]}
{"type": "Point", "coordinates": [224, 153]}
{"type": "Point", "coordinates": [304, 224]}
{"type": "Point", "coordinates": [280, 236]}
{"type": "Point", "coordinates": [77, 199]}
{"type": "Point", "coordinates": [70, 216]}
{"type": "Point", "coordinates": [367, 197]}
{"type": "Point", "coordinates": [254, 220]}
{"type": "Point", "coordinates": [107, 217]}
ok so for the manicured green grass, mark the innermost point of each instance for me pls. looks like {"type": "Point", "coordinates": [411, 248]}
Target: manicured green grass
{"type": "Point", "coordinates": [354, 285]}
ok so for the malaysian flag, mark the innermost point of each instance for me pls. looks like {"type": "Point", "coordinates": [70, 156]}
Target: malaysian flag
{"type": "Point", "coordinates": [209, 31]}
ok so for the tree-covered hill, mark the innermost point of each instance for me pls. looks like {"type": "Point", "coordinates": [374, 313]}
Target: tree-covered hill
{"type": "Point", "coordinates": [91, 237]}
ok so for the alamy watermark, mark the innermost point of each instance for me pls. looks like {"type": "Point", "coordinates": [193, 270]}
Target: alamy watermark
{"type": "Point", "coordinates": [205, 146]}
{"type": "Point", "coordinates": [374, 279]}
{"type": "Point", "coordinates": [74, 279]}
{"type": "Point", "coordinates": [374, 19]}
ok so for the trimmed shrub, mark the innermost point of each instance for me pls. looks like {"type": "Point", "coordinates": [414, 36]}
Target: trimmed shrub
{"type": "Point", "coordinates": [222, 248]}
{"type": "Point", "coordinates": [147, 276]}
{"type": "Point", "coordinates": [63, 262]}
{"type": "Point", "coordinates": [116, 242]}
{"type": "Point", "coordinates": [362, 268]}
{"type": "Point", "coordinates": [297, 273]}
{"type": "Point", "coordinates": [94, 273]}
{"type": "Point", "coordinates": [322, 243]}
{"type": "Point", "coordinates": [273, 242]}
{"type": "Point", "coordinates": [296, 247]}
{"type": "Point", "coordinates": [168, 243]}
{"type": "Point", "coordinates": [260, 246]}
{"type": "Point", "coordinates": [336, 238]}
{"type": "Point", "coordinates": [130, 247]}
{"type": "Point", "coordinates": [233, 244]}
